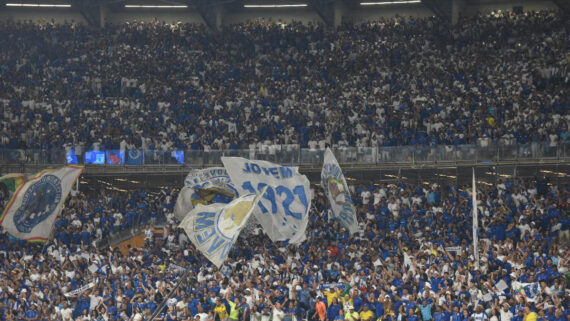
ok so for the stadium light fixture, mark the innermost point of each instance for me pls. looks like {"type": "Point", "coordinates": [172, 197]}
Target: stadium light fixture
{"type": "Point", "coordinates": [385, 3]}
{"type": "Point", "coordinates": [156, 6]}
{"type": "Point", "coordinates": [38, 5]}
{"type": "Point", "coordinates": [298, 5]}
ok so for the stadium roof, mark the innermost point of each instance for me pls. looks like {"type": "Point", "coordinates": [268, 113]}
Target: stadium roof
{"type": "Point", "coordinates": [90, 9]}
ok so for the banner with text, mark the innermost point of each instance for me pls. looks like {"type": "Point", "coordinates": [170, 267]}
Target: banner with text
{"type": "Point", "coordinates": [204, 186]}
{"type": "Point", "coordinates": [283, 211]}
{"type": "Point", "coordinates": [215, 228]}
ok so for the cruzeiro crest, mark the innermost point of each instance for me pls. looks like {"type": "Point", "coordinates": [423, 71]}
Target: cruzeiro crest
{"type": "Point", "coordinates": [336, 189]}
{"type": "Point", "coordinates": [232, 219]}
{"type": "Point", "coordinates": [333, 184]}
{"type": "Point", "coordinates": [39, 202]}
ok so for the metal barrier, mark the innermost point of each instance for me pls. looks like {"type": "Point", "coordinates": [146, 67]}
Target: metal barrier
{"type": "Point", "coordinates": [115, 237]}
{"type": "Point", "coordinates": [294, 155]}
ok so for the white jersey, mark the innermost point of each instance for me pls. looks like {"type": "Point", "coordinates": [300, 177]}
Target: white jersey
{"type": "Point", "coordinates": [480, 316]}
{"type": "Point", "coordinates": [506, 316]}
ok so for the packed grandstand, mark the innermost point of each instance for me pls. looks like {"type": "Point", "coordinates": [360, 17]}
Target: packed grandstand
{"type": "Point", "coordinates": [493, 78]}
{"type": "Point", "coordinates": [384, 83]}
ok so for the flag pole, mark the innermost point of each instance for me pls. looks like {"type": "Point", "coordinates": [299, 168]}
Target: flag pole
{"type": "Point", "coordinates": [475, 222]}
{"type": "Point", "coordinates": [161, 306]}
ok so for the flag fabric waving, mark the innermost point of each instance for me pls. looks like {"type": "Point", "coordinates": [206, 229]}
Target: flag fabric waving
{"type": "Point", "coordinates": [185, 202]}
{"type": "Point", "coordinates": [205, 186]}
{"type": "Point", "coordinates": [215, 228]}
{"type": "Point", "coordinates": [336, 189]}
{"type": "Point", "coordinates": [9, 183]}
{"type": "Point", "coordinates": [283, 211]}
{"type": "Point", "coordinates": [32, 211]}
{"type": "Point", "coordinates": [529, 290]}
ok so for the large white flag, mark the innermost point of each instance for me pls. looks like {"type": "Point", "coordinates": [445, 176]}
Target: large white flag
{"type": "Point", "coordinates": [337, 191]}
{"type": "Point", "coordinates": [283, 211]}
{"type": "Point", "coordinates": [187, 199]}
{"type": "Point", "coordinates": [204, 186]}
{"type": "Point", "coordinates": [32, 211]}
{"type": "Point", "coordinates": [215, 228]}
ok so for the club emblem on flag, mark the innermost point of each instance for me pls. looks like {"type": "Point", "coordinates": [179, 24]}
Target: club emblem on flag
{"type": "Point", "coordinates": [336, 189]}
{"type": "Point", "coordinates": [38, 203]}
{"type": "Point", "coordinates": [232, 219]}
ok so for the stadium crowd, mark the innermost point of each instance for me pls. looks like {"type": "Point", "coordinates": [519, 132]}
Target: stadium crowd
{"type": "Point", "coordinates": [156, 86]}
{"type": "Point", "coordinates": [402, 81]}
{"type": "Point", "coordinates": [412, 260]}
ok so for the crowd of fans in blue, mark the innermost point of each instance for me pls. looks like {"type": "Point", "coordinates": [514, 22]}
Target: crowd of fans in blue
{"type": "Point", "coordinates": [401, 81]}
{"type": "Point", "coordinates": [412, 259]}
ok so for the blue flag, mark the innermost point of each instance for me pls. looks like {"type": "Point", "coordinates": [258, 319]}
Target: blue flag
{"type": "Point", "coordinates": [135, 157]}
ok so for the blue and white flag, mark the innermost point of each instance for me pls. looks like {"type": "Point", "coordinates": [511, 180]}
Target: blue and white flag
{"type": "Point", "coordinates": [336, 189]}
{"type": "Point", "coordinates": [283, 211]}
{"type": "Point", "coordinates": [32, 211]}
{"type": "Point", "coordinates": [529, 290]}
{"type": "Point", "coordinates": [204, 186]}
{"type": "Point", "coordinates": [215, 228]}
{"type": "Point", "coordinates": [135, 157]}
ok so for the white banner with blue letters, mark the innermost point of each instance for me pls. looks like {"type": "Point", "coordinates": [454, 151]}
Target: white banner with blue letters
{"type": "Point", "coordinates": [204, 186]}
{"type": "Point", "coordinates": [283, 211]}
{"type": "Point", "coordinates": [215, 228]}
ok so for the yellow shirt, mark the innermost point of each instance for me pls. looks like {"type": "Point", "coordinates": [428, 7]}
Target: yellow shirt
{"type": "Point", "coordinates": [366, 315]}
{"type": "Point", "coordinates": [234, 311]}
{"type": "Point", "coordinates": [351, 316]}
{"type": "Point", "coordinates": [221, 311]}
{"type": "Point", "coordinates": [331, 295]}
{"type": "Point", "coordinates": [531, 316]}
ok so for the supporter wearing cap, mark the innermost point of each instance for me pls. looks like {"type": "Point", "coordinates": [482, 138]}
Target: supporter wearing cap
{"type": "Point", "coordinates": [366, 314]}
{"type": "Point", "coordinates": [505, 313]}
{"type": "Point", "coordinates": [351, 315]}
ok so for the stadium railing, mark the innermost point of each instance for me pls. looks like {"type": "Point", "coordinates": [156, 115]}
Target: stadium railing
{"type": "Point", "coordinates": [496, 151]}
